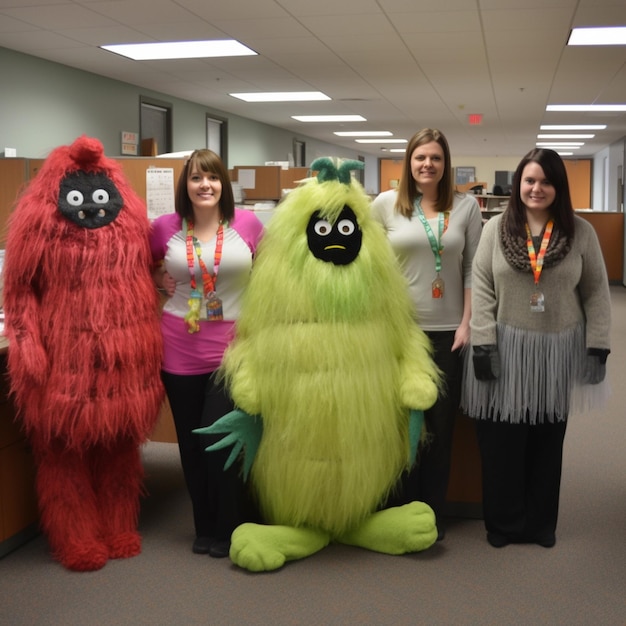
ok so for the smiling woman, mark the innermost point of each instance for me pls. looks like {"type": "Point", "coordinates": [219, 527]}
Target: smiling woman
{"type": "Point", "coordinates": [203, 255]}
{"type": "Point", "coordinates": [540, 341]}
{"type": "Point", "coordinates": [434, 232]}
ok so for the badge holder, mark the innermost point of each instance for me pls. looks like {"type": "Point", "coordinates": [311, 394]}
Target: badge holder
{"type": "Point", "coordinates": [438, 287]}
{"type": "Point", "coordinates": [537, 304]}
{"type": "Point", "coordinates": [214, 310]}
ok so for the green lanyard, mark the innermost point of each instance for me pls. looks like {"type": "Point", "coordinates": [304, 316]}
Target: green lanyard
{"type": "Point", "coordinates": [435, 243]}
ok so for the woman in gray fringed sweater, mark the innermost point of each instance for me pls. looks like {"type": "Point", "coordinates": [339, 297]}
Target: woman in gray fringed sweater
{"type": "Point", "coordinates": [540, 339]}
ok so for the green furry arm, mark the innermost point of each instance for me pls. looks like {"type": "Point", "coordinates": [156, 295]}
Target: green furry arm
{"type": "Point", "coordinates": [416, 423]}
{"type": "Point", "coordinates": [243, 431]}
{"type": "Point", "coordinates": [419, 376]}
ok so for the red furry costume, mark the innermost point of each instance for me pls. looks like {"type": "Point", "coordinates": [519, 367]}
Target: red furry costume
{"type": "Point", "coordinates": [84, 349]}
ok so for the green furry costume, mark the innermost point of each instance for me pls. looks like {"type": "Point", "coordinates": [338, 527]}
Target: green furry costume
{"type": "Point", "coordinates": [329, 359]}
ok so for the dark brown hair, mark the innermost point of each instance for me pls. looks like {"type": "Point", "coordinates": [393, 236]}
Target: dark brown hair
{"type": "Point", "coordinates": [205, 161]}
{"type": "Point", "coordinates": [561, 210]}
{"type": "Point", "coordinates": [408, 191]}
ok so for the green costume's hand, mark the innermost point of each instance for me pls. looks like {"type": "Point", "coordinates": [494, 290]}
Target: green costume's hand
{"type": "Point", "coordinates": [416, 423]}
{"type": "Point", "coordinates": [243, 431]}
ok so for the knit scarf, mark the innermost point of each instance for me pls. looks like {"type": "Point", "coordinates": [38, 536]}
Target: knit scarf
{"type": "Point", "coordinates": [515, 249]}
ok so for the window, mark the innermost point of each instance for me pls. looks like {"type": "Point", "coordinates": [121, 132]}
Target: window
{"type": "Point", "coordinates": [155, 126]}
{"type": "Point", "coordinates": [217, 136]}
{"type": "Point", "coordinates": [299, 153]}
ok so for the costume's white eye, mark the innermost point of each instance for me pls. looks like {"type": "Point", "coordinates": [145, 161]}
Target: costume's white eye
{"type": "Point", "coordinates": [323, 228]}
{"type": "Point", "coordinates": [74, 197]}
{"type": "Point", "coordinates": [100, 196]}
{"type": "Point", "coordinates": [345, 227]}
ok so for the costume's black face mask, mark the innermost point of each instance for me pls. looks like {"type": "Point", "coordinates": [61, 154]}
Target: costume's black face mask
{"type": "Point", "coordinates": [338, 243]}
{"type": "Point", "coordinates": [90, 200]}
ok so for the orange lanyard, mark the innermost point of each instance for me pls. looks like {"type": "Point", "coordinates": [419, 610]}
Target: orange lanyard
{"type": "Point", "coordinates": [208, 281]}
{"type": "Point", "coordinates": [536, 260]}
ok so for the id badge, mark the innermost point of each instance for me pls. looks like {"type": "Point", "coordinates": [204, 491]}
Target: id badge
{"type": "Point", "coordinates": [214, 310]}
{"type": "Point", "coordinates": [537, 304]}
{"type": "Point", "coordinates": [438, 287]}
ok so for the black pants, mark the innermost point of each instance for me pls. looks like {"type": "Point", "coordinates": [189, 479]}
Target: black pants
{"type": "Point", "coordinates": [428, 479]}
{"type": "Point", "coordinates": [521, 468]}
{"type": "Point", "coordinates": [219, 498]}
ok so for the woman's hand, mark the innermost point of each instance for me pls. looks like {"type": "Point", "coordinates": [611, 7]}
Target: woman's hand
{"type": "Point", "coordinates": [461, 336]}
{"type": "Point", "coordinates": [164, 281]}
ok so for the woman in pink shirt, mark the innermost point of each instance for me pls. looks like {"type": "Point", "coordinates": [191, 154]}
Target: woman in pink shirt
{"type": "Point", "coordinates": [203, 253]}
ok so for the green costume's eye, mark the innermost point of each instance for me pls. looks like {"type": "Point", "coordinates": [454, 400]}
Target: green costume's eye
{"type": "Point", "coordinates": [346, 227]}
{"type": "Point", "coordinates": [322, 228]}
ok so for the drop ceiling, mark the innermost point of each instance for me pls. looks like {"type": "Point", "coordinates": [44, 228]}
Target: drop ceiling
{"type": "Point", "coordinates": [401, 64]}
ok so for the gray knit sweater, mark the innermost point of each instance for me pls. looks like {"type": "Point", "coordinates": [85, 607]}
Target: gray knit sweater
{"type": "Point", "coordinates": [542, 355]}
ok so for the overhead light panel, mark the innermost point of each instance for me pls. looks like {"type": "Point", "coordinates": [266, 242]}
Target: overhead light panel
{"type": "Point", "coordinates": [380, 140]}
{"type": "Point", "coordinates": [281, 96]}
{"type": "Point", "coordinates": [596, 108]}
{"type": "Point", "coordinates": [572, 127]}
{"type": "Point", "coordinates": [363, 133]}
{"type": "Point", "coordinates": [567, 144]}
{"type": "Point", "coordinates": [572, 136]}
{"type": "Point", "coordinates": [180, 49]}
{"type": "Point", "coordinates": [600, 36]}
{"type": "Point", "coordinates": [329, 118]}
{"type": "Point", "coordinates": [559, 146]}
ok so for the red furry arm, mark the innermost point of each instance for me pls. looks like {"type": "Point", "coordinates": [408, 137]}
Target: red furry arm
{"type": "Point", "coordinates": [21, 302]}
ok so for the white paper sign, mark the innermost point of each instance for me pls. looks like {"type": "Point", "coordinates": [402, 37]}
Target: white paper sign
{"type": "Point", "coordinates": [159, 191]}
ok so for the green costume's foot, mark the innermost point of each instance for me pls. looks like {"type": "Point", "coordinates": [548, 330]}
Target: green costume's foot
{"type": "Point", "coordinates": [401, 529]}
{"type": "Point", "coordinates": [259, 548]}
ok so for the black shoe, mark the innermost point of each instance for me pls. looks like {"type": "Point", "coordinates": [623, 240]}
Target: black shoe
{"type": "Point", "coordinates": [220, 549]}
{"type": "Point", "coordinates": [201, 545]}
{"type": "Point", "coordinates": [441, 533]}
{"type": "Point", "coordinates": [497, 541]}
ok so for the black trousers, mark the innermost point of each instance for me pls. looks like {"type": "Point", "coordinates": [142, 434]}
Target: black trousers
{"type": "Point", "coordinates": [219, 498]}
{"type": "Point", "coordinates": [428, 479]}
{"type": "Point", "coordinates": [521, 477]}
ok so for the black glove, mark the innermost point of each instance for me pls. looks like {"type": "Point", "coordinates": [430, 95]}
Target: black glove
{"type": "Point", "coordinates": [595, 366]}
{"type": "Point", "coordinates": [486, 362]}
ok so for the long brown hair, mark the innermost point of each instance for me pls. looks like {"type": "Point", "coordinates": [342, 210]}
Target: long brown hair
{"type": "Point", "coordinates": [408, 190]}
{"type": "Point", "coordinates": [205, 161]}
{"type": "Point", "coordinates": [561, 210]}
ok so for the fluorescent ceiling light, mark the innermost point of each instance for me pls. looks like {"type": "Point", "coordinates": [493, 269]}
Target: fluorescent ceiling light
{"type": "Point", "coordinates": [567, 144]}
{"type": "Point", "coordinates": [564, 153]}
{"type": "Point", "coordinates": [602, 36]}
{"type": "Point", "coordinates": [572, 127]}
{"type": "Point", "coordinates": [329, 118]}
{"type": "Point", "coordinates": [363, 133]}
{"type": "Point", "coordinates": [557, 146]}
{"type": "Point", "coordinates": [281, 96]}
{"type": "Point", "coordinates": [586, 107]}
{"type": "Point", "coordinates": [180, 49]}
{"type": "Point", "coordinates": [380, 140]}
{"type": "Point", "coordinates": [572, 136]}
{"type": "Point", "coordinates": [396, 150]}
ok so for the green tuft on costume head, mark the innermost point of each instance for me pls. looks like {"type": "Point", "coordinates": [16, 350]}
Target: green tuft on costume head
{"type": "Point", "coordinates": [327, 170]}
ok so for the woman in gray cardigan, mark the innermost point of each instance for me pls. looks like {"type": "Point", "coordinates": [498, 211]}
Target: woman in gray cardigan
{"type": "Point", "coordinates": [540, 339]}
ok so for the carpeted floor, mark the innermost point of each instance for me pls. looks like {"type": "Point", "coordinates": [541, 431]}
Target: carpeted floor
{"type": "Point", "coordinates": [462, 580]}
